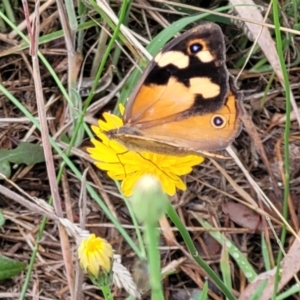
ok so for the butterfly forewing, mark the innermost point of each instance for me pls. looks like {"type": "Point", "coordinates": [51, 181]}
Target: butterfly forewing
{"type": "Point", "coordinates": [188, 76]}
{"type": "Point", "coordinates": [185, 100]}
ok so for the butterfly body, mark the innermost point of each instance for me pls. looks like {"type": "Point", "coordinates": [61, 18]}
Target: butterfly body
{"type": "Point", "coordinates": [185, 101]}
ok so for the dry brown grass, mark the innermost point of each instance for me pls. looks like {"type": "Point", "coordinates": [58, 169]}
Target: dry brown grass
{"type": "Point", "coordinates": [231, 204]}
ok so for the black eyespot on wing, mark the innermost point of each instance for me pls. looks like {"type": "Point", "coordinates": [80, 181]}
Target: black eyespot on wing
{"type": "Point", "coordinates": [195, 48]}
{"type": "Point", "coordinates": [218, 121]}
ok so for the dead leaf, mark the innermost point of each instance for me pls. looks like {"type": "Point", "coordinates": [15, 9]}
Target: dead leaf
{"type": "Point", "coordinates": [242, 215]}
{"type": "Point", "coordinates": [290, 266]}
{"type": "Point", "coordinates": [250, 11]}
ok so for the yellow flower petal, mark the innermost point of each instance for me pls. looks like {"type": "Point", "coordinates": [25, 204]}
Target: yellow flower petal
{"type": "Point", "coordinates": [128, 166]}
{"type": "Point", "coordinates": [129, 182]}
{"type": "Point", "coordinates": [95, 255]}
{"type": "Point", "coordinates": [102, 152]}
{"type": "Point", "coordinates": [121, 108]}
{"type": "Point", "coordinates": [111, 122]}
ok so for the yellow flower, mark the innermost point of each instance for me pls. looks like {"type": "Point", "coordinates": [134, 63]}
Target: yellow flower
{"type": "Point", "coordinates": [128, 166]}
{"type": "Point", "coordinates": [95, 255]}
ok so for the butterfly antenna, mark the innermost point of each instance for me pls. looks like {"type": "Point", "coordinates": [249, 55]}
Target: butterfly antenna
{"type": "Point", "coordinates": [152, 162]}
{"type": "Point", "coordinates": [122, 153]}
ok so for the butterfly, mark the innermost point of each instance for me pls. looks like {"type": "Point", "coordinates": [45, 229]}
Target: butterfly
{"type": "Point", "coordinates": [185, 101]}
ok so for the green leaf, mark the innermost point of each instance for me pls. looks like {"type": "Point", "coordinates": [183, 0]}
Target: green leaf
{"type": "Point", "coordinates": [4, 166]}
{"type": "Point", "coordinates": [2, 219]}
{"type": "Point", "coordinates": [234, 252]}
{"type": "Point", "coordinates": [25, 153]}
{"type": "Point", "coordinates": [259, 290]}
{"type": "Point", "coordinates": [225, 268]}
{"type": "Point", "coordinates": [10, 267]}
{"type": "Point", "coordinates": [204, 294]}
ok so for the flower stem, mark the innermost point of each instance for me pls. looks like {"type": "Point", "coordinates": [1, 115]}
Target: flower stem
{"type": "Point", "coordinates": [106, 292]}
{"type": "Point", "coordinates": [152, 240]}
{"type": "Point", "coordinates": [149, 203]}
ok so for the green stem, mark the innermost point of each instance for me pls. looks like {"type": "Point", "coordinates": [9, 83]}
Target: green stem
{"type": "Point", "coordinates": [152, 240]}
{"type": "Point", "coordinates": [107, 292]}
{"type": "Point", "coordinates": [279, 47]}
{"type": "Point", "coordinates": [135, 224]}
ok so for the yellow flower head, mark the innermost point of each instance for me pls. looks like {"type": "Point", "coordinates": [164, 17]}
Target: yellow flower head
{"type": "Point", "coordinates": [128, 166]}
{"type": "Point", "coordinates": [95, 255]}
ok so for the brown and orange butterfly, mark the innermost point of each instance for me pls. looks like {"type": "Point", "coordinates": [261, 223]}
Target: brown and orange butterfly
{"type": "Point", "coordinates": [185, 101]}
